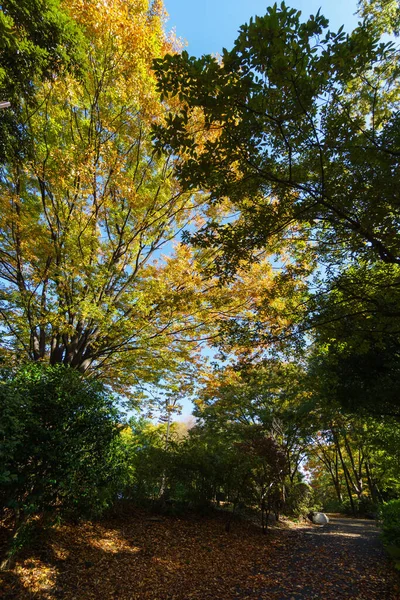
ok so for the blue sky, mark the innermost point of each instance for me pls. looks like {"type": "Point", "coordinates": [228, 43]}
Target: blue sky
{"type": "Point", "coordinates": [210, 25]}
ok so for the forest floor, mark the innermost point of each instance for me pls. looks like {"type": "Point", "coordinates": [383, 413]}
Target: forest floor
{"type": "Point", "coordinates": [137, 556]}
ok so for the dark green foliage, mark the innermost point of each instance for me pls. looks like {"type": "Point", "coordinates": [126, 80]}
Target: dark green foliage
{"type": "Point", "coordinates": [301, 132]}
{"type": "Point", "coordinates": [363, 381]}
{"type": "Point", "coordinates": [237, 464]}
{"type": "Point", "coordinates": [363, 507]}
{"type": "Point", "coordinates": [307, 136]}
{"type": "Point", "coordinates": [356, 358]}
{"type": "Point", "coordinates": [187, 471]}
{"type": "Point", "coordinates": [196, 474]}
{"type": "Point", "coordinates": [390, 518]}
{"type": "Point", "coordinates": [299, 499]}
{"type": "Point", "coordinates": [151, 463]}
{"type": "Point", "coordinates": [61, 448]}
{"type": "Point", "coordinates": [37, 38]}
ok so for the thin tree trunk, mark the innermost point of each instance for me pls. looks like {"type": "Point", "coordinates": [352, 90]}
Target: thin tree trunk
{"type": "Point", "coordinates": [345, 470]}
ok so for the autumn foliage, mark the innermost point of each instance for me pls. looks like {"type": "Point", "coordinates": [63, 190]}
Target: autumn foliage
{"type": "Point", "coordinates": [221, 230]}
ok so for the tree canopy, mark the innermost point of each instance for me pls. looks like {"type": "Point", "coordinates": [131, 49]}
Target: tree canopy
{"type": "Point", "coordinates": [38, 40]}
{"type": "Point", "coordinates": [299, 128]}
{"type": "Point", "coordinates": [302, 135]}
{"type": "Point", "coordinates": [92, 271]}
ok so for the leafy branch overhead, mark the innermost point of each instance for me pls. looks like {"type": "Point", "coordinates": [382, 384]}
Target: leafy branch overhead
{"type": "Point", "coordinates": [299, 129]}
{"type": "Point", "coordinates": [92, 272]}
{"type": "Point", "coordinates": [38, 41]}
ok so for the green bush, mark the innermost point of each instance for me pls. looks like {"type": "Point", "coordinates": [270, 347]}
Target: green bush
{"type": "Point", "coordinates": [299, 500]}
{"type": "Point", "coordinates": [390, 521]}
{"type": "Point", "coordinates": [332, 505]}
{"type": "Point", "coordinates": [364, 507]}
{"type": "Point", "coordinates": [61, 450]}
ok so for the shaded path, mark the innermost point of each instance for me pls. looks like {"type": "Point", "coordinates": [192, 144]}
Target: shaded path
{"type": "Point", "coordinates": [343, 560]}
{"type": "Point", "coordinates": [135, 556]}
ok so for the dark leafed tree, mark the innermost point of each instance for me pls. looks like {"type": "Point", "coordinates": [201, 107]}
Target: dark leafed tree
{"type": "Point", "coordinates": [300, 127]}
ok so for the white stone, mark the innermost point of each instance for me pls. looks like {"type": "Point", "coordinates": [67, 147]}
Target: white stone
{"type": "Point", "coordinates": [320, 519]}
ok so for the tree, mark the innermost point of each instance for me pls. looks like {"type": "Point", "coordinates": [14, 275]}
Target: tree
{"type": "Point", "coordinates": [302, 128]}
{"type": "Point", "coordinates": [266, 406]}
{"type": "Point", "coordinates": [383, 14]}
{"type": "Point", "coordinates": [353, 460]}
{"type": "Point", "coordinates": [86, 219]}
{"type": "Point", "coordinates": [86, 216]}
{"type": "Point", "coordinates": [267, 467]}
{"type": "Point", "coordinates": [38, 40]}
{"type": "Point", "coordinates": [356, 354]}
{"type": "Point", "coordinates": [271, 394]}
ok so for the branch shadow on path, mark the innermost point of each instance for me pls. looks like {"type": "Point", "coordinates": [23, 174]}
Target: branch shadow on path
{"type": "Point", "coordinates": [142, 558]}
{"type": "Point", "coordinates": [344, 560]}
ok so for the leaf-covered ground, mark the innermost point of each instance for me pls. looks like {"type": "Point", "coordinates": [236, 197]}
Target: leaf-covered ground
{"type": "Point", "coordinates": [139, 557]}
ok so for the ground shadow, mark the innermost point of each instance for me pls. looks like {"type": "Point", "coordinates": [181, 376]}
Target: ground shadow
{"type": "Point", "coordinates": [139, 557]}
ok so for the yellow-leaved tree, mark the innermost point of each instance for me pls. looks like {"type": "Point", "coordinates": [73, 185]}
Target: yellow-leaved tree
{"type": "Point", "coordinates": [82, 218]}
{"type": "Point", "coordinates": [88, 219]}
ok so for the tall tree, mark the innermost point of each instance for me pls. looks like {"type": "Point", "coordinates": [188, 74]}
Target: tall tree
{"type": "Point", "coordinates": [302, 129]}
{"type": "Point", "coordinates": [87, 217]}
{"type": "Point", "coordinates": [356, 457]}
{"type": "Point", "coordinates": [84, 216]}
{"type": "Point", "coordinates": [270, 395]}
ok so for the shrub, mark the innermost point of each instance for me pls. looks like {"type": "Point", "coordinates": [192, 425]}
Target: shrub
{"type": "Point", "coordinates": [364, 507]}
{"type": "Point", "coordinates": [299, 499]}
{"type": "Point", "coordinates": [60, 444]}
{"type": "Point", "coordinates": [390, 521]}
{"type": "Point", "coordinates": [332, 506]}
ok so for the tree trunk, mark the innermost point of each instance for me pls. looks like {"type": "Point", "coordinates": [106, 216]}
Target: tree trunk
{"type": "Point", "coordinates": [345, 470]}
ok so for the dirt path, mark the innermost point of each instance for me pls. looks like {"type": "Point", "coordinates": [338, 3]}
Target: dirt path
{"type": "Point", "coordinates": [138, 557]}
{"type": "Point", "coordinates": [341, 561]}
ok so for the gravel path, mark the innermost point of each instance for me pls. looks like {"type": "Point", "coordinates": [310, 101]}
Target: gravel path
{"type": "Point", "coordinates": [342, 560]}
